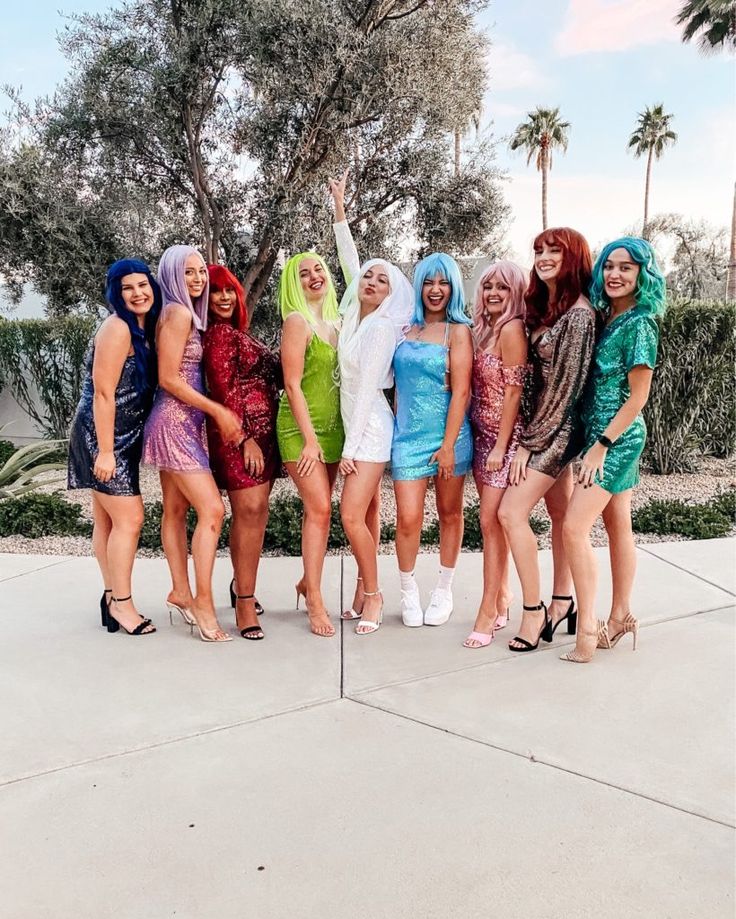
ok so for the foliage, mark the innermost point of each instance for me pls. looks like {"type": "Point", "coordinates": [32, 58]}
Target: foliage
{"type": "Point", "coordinates": [219, 122]}
{"type": "Point", "coordinates": [699, 258]}
{"type": "Point", "coordinates": [42, 515]}
{"type": "Point", "coordinates": [713, 21]}
{"type": "Point", "coordinates": [538, 136]}
{"type": "Point", "coordinates": [652, 133]}
{"type": "Point", "coordinates": [7, 449]}
{"type": "Point", "coordinates": [472, 535]}
{"type": "Point", "coordinates": [21, 471]}
{"type": "Point", "coordinates": [725, 502]}
{"type": "Point", "coordinates": [695, 521]}
{"type": "Point", "coordinates": [151, 531]}
{"type": "Point", "coordinates": [43, 360]}
{"type": "Point", "coordinates": [691, 408]}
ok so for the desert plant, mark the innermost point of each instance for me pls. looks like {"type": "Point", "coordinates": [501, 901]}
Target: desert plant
{"type": "Point", "coordinates": [22, 471]}
{"type": "Point", "coordinates": [695, 521]}
{"type": "Point", "coordinates": [7, 449]}
{"type": "Point", "coordinates": [42, 515]}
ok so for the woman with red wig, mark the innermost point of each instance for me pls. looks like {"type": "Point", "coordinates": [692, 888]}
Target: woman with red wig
{"type": "Point", "coordinates": [245, 376]}
{"type": "Point", "coordinates": [561, 325]}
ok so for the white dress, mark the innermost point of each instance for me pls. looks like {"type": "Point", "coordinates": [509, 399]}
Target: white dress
{"type": "Point", "coordinates": [365, 353]}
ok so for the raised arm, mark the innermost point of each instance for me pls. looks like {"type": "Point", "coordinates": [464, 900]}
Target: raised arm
{"type": "Point", "coordinates": [347, 252]}
{"type": "Point", "coordinates": [112, 345]}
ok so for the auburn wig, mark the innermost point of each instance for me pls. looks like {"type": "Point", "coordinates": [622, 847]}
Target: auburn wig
{"type": "Point", "coordinates": [572, 282]}
{"type": "Point", "coordinates": [222, 278]}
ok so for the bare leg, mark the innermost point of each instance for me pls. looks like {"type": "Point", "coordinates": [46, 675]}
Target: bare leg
{"type": "Point", "coordinates": [495, 564]}
{"type": "Point", "coordinates": [557, 500]}
{"type": "Point", "coordinates": [315, 491]}
{"type": "Point", "coordinates": [100, 535]}
{"type": "Point", "coordinates": [410, 496]}
{"type": "Point", "coordinates": [449, 494]}
{"type": "Point", "coordinates": [250, 515]}
{"type": "Point", "coordinates": [200, 491]}
{"type": "Point", "coordinates": [126, 515]}
{"type": "Point", "coordinates": [516, 506]}
{"type": "Point", "coordinates": [359, 492]}
{"type": "Point", "coordinates": [373, 522]}
{"type": "Point", "coordinates": [622, 551]}
{"type": "Point", "coordinates": [174, 539]}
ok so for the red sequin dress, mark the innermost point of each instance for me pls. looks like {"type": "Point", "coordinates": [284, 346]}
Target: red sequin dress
{"type": "Point", "coordinates": [490, 378]}
{"type": "Point", "coordinates": [245, 376]}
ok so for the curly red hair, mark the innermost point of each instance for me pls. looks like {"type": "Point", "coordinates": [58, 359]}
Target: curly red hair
{"type": "Point", "coordinates": [220, 278]}
{"type": "Point", "coordinates": [573, 280]}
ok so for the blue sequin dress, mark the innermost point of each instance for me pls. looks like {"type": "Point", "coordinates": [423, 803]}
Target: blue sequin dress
{"type": "Point", "coordinates": [422, 403]}
{"type": "Point", "coordinates": [630, 340]}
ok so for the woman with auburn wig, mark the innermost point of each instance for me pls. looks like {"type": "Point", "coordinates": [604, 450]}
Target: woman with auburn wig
{"type": "Point", "coordinates": [175, 441]}
{"type": "Point", "coordinates": [308, 425]}
{"type": "Point", "coordinates": [561, 324]}
{"type": "Point", "coordinates": [629, 290]}
{"type": "Point", "coordinates": [106, 437]}
{"type": "Point", "coordinates": [499, 371]}
{"type": "Point", "coordinates": [245, 376]}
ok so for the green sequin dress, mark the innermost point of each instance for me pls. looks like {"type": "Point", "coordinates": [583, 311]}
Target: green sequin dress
{"type": "Point", "coordinates": [630, 340]}
{"type": "Point", "coordinates": [322, 394]}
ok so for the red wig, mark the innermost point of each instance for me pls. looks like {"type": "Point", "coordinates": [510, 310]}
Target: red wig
{"type": "Point", "coordinates": [220, 278]}
{"type": "Point", "coordinates": [573, 281]}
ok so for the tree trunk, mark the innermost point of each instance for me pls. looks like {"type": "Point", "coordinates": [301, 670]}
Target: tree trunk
{"type": "Point", "coordinates": [646, 193]}
{"type": "Point", "coordinates": [457, 152]}
{"type": "Point", "coordinates": [545, 169]}
{"type": "Point", "coordinates": [731, 275]}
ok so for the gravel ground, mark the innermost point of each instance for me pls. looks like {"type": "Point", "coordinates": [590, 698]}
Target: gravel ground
{"type": "Point", "coordinates": [713, 477]}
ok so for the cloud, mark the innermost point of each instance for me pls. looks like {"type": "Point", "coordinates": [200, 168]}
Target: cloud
{"type": "Point", "coordinates": [616, 25]}
{"type": "Point", "coordinates": [510, 68]}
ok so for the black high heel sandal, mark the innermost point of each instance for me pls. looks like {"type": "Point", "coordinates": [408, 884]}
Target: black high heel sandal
{"type": "Point", "coordinates": [251, 632]}
{"type": "Point", "coordinates": [571, 615]}
{"type": "Point", "coordinates": [113, 625]}
{"type": "Point", "coordinates": [103, 606]}
{"type": "Point", "coordinates": [234, 597]}
{"type": "Point", "coordinates": [528, 646]}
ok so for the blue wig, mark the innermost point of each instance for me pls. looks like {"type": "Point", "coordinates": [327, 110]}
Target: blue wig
{"type": "Point", "coordinates": [651, 289]}
{"type": "Point", "coordinates": [143, 339]}
{"type": "Point", "coordinates": [447, 267]}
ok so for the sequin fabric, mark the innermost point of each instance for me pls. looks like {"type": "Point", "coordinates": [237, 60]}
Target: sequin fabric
{"type": "Point", "coordinates": [131, 410]}
{"type": "Point", "coordinates": [422, 403]}
{"type": "Point", "coordinates": [320, 385]}
{"type": "Point", "coordinates": [561, 358]}
{"type": "Point", "coordinates": [630, 340]}
{"type": "Point", "coordinates": [244, 375]}
{"type": "Point", "coordinates": [174, 437]}
{"type": "Point", "coordinates": [490, 379]}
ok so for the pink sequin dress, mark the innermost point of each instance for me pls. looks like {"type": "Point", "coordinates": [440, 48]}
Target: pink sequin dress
{"type": "Point", "coordinates": [489, 382]}
{"type": "Point", "coordinates": [174, 438]}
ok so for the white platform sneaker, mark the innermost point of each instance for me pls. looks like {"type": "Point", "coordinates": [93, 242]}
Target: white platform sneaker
{"type": "Point", "coordinates": [411, 608]}
{"type": "Point", "coordinates": [440, 607]}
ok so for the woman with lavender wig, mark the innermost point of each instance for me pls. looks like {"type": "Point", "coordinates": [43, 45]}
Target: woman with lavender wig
{"type": "Point", "coordinates": [175, 439]}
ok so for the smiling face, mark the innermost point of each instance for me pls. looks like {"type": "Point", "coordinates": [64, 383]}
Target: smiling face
{"type": "Point", "coordinates": [436, 293]}
{"type": "Point", "coordinates": [223, 302]}
{"type": "Point", "coordinates": [620, 275]}
{"type": "Point", "coordinates": [137, 294]}
{"type": "Point", "coordinates": [548, 258]}
{"type": "Point", "coordinates": [496, 295]}
{"type": "Point", "coordinates": [195, 275]}
{"type": "Point", "coordinates": [313, 278]}
{"type": "Point", "coordinates": [374, 287]}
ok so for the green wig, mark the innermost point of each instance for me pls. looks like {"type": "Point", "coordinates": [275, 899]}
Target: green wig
{"type": "Point", "coordinates": [651, 287]}
{"type": "Point", "coordinates": [291, 295]}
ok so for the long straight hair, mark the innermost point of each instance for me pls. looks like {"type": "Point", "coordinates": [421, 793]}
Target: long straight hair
{"type": "Point", "coordinates": [439, 263]}
{"type": "Point", "coordinates": [515, 278]}
{"type": "Point", "coordinates": [220, 278]}
{"type": "Point", "coordinates": [291, 295]}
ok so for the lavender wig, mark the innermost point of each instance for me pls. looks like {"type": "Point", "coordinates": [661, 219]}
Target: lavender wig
{"type": "Point", "coordinates": [173, 283]}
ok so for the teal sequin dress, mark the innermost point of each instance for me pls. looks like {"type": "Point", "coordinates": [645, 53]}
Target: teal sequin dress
{"type": "Point", "coordinates": [630, 340]}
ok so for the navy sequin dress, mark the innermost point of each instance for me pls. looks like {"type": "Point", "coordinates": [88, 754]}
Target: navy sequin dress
{"type": "Point", "coordinates": [131, 411]}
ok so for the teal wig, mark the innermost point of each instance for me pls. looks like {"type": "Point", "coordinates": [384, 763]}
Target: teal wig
{"type": "Point", "coordinates": [651, 289]}
{"type": "Point", "coordinates": [291, 295]}
{"type": "Point", "coordinates": [434, 264]}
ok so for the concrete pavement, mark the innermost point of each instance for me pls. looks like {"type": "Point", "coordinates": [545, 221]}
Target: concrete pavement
{"type": "Point", "coordinates": [392, 776]}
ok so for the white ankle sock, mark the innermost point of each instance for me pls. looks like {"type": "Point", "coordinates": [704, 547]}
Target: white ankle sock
{"type": "Point", "coordinates": [444, 581]}
{"type": "Point", "coordinates": [408, 581]}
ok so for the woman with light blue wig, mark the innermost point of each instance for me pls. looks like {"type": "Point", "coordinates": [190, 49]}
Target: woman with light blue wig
{"type": "Point", "coordinates": [629, 290]}
{"type": "Point", "coordinates": [432, 437]}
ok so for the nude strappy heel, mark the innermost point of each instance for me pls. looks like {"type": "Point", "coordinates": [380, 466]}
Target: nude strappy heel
{"type": "Point", "coordinates": [629, 624]}
{"type": "Point", "coordinates": [585, 657]}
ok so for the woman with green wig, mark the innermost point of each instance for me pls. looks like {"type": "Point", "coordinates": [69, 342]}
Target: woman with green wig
{"type": "Point", "coordinates": [629, 291]}
{"type": "Point", "coordinates": [309, 427]}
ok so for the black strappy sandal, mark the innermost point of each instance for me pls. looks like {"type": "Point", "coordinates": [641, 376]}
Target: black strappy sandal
{"type": "Point", "coordinates": [251, 632]}
{"type": "Point", "coordinates": [103, 606]}
{"type": "Point", "coordinates": [234, 597]}
{"type": "Point", "coordinates": [528, 646]}
{"type": "Point", "coordinates": [572, 619]}
{"type": "Point", "coordinates": [113, 625]}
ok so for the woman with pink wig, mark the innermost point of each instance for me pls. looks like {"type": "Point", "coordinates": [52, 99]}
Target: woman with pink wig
{"type": "Point", "coordinates": [499, 370]}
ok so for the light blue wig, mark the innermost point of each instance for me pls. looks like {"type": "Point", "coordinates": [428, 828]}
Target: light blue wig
{"type": "Point", "coordinates": [442, 264]}
{"type": "Point", "coordinates": [651, 288]}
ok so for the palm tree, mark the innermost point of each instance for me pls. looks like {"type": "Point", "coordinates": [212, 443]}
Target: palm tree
{"type": "Point", "coordinates": [651, 136]}
{"type": "Point", "coordinates": [713, 21]}
{"type": "Point", "coordinates": [539, 135]}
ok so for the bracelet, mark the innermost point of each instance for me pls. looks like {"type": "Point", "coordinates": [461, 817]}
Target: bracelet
{"type": "Point", "coordinates": [605, 441]}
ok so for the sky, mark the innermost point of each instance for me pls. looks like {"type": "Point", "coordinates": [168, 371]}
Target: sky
{"type": "Point", "coordinates": [600, 61]}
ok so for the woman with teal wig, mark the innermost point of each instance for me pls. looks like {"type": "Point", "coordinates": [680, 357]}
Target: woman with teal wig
{"type": "Point", "coordinates": [309, 426]}
{"type": "Point", "coordinates": [629, 290]}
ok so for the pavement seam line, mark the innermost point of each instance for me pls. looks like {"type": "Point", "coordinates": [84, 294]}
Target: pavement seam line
{"type": "Point", "coordinates": [24, 574]}
{"type": "Point", "coordinates": [342, 627]}
{"type": "Point", "coordinates": [687, 571]}
{"type": "Point", "coordinates": [542, 762]}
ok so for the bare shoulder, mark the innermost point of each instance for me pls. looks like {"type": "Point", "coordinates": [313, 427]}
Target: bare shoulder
{"type": "Point", "coordinates": [460, 334]}
{"type": "Point", "coordinates": [113, 333]}
{"type": "Point", "coordinates": [583, 303]}
{"type": "Point", "coordinates": [176, 315]}
{"type": "Point", "coordinates": [513, 330]}
{"type": "Point", "coordinates": [296, 326]}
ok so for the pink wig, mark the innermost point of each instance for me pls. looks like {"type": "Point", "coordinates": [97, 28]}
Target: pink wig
{"type": "Point", "coordinates": [514, 277]}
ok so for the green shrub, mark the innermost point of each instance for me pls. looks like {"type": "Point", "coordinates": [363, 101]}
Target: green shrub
{"type": "Point", "coordinates": [692, 408]}
{"type": "Point", "coordinates": [151, 531]}
{"type": "Point", "coordinates": [42, 515]}
{"type": "Point", "coordinates": [7, 449]}
{"type": "Point", "coordinates": [695, 521]}
{"type": "Point", "coordinates": [472, 535]}
{"type": "Point", "coordinates": [726, 504]}
{"type": "Point", "coordinates": [284, 528]}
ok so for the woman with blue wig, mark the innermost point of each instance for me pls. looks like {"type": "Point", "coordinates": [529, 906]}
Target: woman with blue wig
{"type": "Point", "coordinates": [106, 436]}
{"type": "Point", "coordinates": [432, 438]}
{"type": "Point", "coordinates": [629, 289]}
